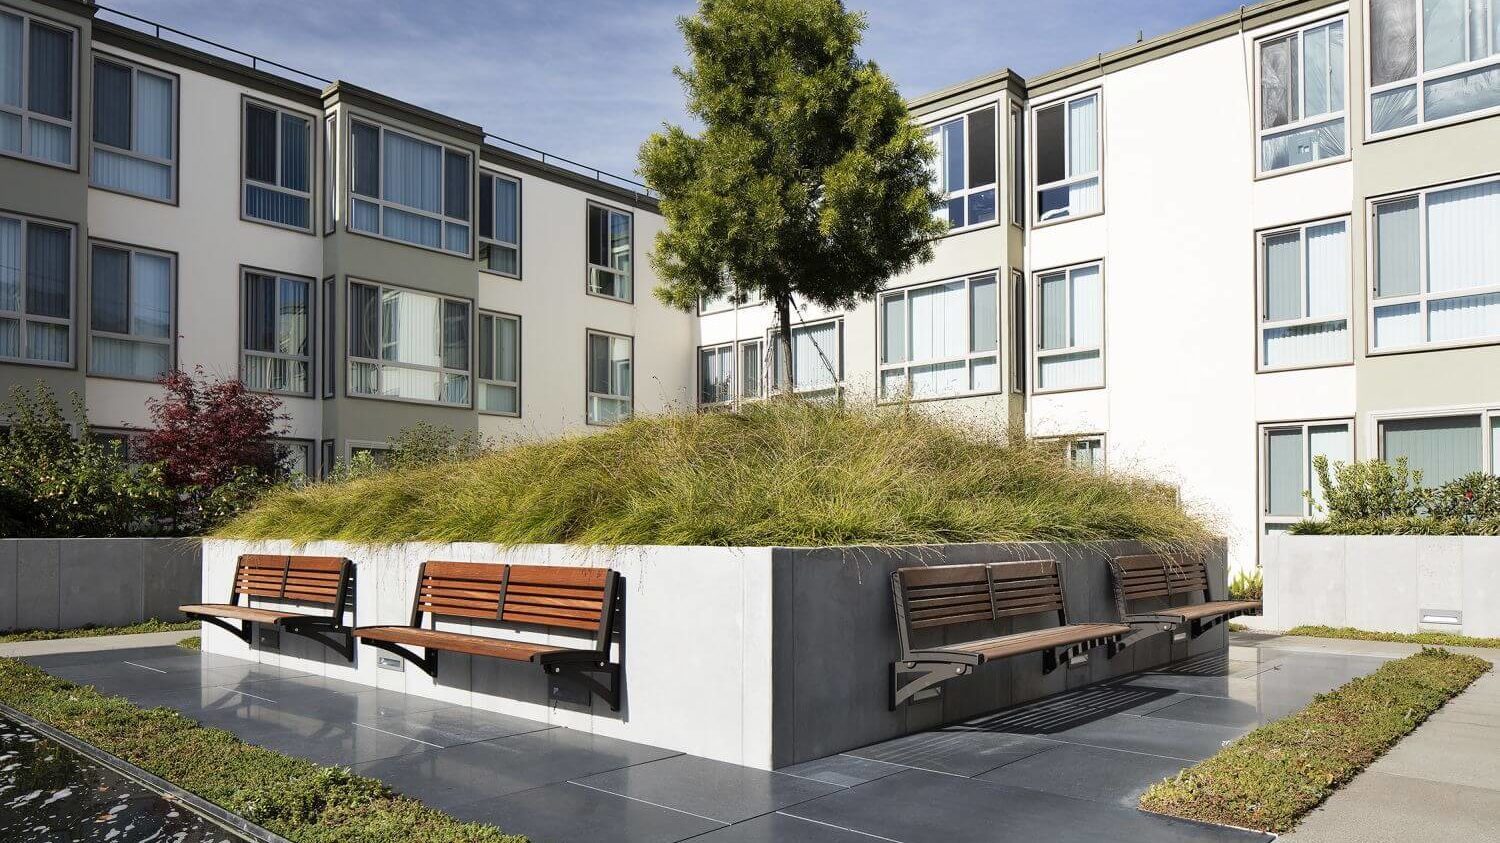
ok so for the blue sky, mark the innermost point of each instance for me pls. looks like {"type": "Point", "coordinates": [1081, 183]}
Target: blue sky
{"type": "Point", "coordinates": [591, 79]}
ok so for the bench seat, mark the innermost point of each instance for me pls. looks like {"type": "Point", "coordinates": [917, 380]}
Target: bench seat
{"type": "Point", "coordinates": [243, 613]}
{"type": "Point", "coordinates": [458, 642]}
{"type": "Point", "coordinates": [1168, 577]}
{"type": "Point", "coordinates": [1021, 643]}
{"type": "Point", "coordinates": [1197, 611]}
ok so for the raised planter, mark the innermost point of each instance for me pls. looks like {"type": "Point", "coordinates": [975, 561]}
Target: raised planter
{"type": "Point", "coordinates": [67, 583]}
{"type": "Point", "coordinates": [1383, 583]}
{"type": "Point", "coordinates": [758, 656]}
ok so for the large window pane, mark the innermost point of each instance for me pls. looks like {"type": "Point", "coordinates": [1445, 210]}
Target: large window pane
{"type": "Point", "coordinates": [1473, 91]}
{"type": "Point", "coordinates": [1463, 237]}
{"type": "Point", "coordinates": [151, 296]}
{"type": "Point", "coordinates": [12, 36]}
{"type": "Point", "coordinates": [1393, 40]}
{"type": "Point", "coordinates": [49, 261]}
{"type": "Point", "coordinates": [984, 319]}
{"type": "Point", "coordinates": [112, 104]}
{"type": "Point", "coordinates": [110, 290]}
{"type": "Point", "coordinates": [260, 144]}
{"type": "Point", "coordinates": [1444, 33]}
{"type": "Point", "coordinates": [1278, 82]}
{"type": "Point", "coordinates": [1284, 472]}
{"type": "Point", "coordinates": [938, 321]}
{"type": "Point", "coordinates": [296, 155]}
{"type": "Point", "coordinates": [1283, 257]}
{"type": "Point", "coordinates": [981, 147]}
{"type": "Point", "coordinates": [1050, 167]}
{"type": "Point", "coordinates": [1083, 136]}
{"type": "Point", "coordinates": [1054, 311]}
{"type": "Point", "coordinates": [152, 130]}
{"type": "Point", "coordinates": [259, 312]}
{"type": "Point", "coordinates": [1328, 269]}
{"type": "Point", "coordinates": [1397, 248]}
{"type": "Point", "coordinates": [1443, 449]}
{"type": "Point", "coordinates": [716, 374]}
{"type": "Point", "coordinates": [413, 345]}
{"type": "Point", "coordinates": [366, 142]}
{"type": "Point", "coordinates": [893, 329]}
{"type": "Point", "coordinates": [413, 172]}
{"type": "Point", "coordinates": [50, 83]}
{"type": "Point", "coordinates": [1332, 442]}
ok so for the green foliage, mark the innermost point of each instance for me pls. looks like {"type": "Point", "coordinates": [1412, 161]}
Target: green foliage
{"type": "Point", "coordinates": [192, 642]}
{"type": "Point", "coordinates": [1247, 585]}
{"type": "Point", "coordinates": [1273, 776]}
{"type": "Point", "coordinates": [424, 444]}
{"type": "Point", "coordinates": [151, 625]}
{"type": "Point", "coordinates": [1432, 639]}
{"type": "Point", "coordinates": [787, 473]}
{"type": "Point", "coordinates": [1374, 497]}
{"type": "Point", "coordinates": [300, 800]}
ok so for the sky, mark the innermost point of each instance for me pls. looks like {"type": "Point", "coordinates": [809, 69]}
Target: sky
{"type": "Point", "coordinates": [591, 79]}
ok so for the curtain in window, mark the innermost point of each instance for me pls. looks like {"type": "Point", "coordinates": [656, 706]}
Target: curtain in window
{"type": "Point", "coordinates": [274, 206]}
{"type": "Point", "coordinates": [1328, 270]}
{"type": "Point", "coordinates": [1332, 441]}
{"type": "Point", "coordinates": [1284, 472]}
{"type": "Point", "coordinates": [411, 328]}
{"type": "Point", "coordinates": [364, 321]}
{"type": "Point", "coordinates": [984, 317]}
{"type": "Point", "coordinates": [10, 265]}
{"type": "Point", "coordinates": [127, 359]}
{"type": "Point", "coordinates": [403, 225]}
{"type": "Point", "coordinates": [1463, 237]}
{"type": "Point", "coordinates": [1393, 109]}
{"type": "Point", "coordinates": [366, 142]}
{"type": "Point", "coordinates": [259, 314]}
{"type": "Point", "coordinates": [715, 375]}
{"type": "Point", "coordinates": [1083, 137]}
{"type": "Point", "coordinates": [1443, 449]}
{"type": "Point", "coordinates": [112, 104]}
{"type": "Point", "coordinates": [953, 156]}
{"type": "Point", "coordinates": [11, 37]}
{"type": "Point", "coordinates": [1283, 257]}
{"type": "Point", "coordinates": [507, 211]}
{"type": "Point", "coordinates": [1322, 69]}
{"type": "Point", "coordinates": [937, 321]}
{"type": "Point", "coordinates": [110, 291]}
{"type": "Point", "coordinates": [413, 172]}
{"type": "Point", "coordinates": [455, 335]}
{"type": "Point", "coordinates": [1398, 325]}
{"type": "Point", "coordinates": [260, 144]}
{"type": "Point", "coordinates": [455, 185]}
{"type": "Point", "coordinates": [1397, 249]}
{"type": "Point", "coordinates": [751, 361]}
{"type": "Point", "coordinates": [153, 115]}
{"type": "Point", "coordinates": [1054, 303]}
{"type": "Point", "coordinates": [296, 157]}
{"type": "Point", "coordinates": [50, 78]}
{"type": "Point", "coordinates": [292, 317]}
{"type": "Point", "coordinates": [151, 296]}
{"type": "Point", "coordinates": [507, 350]}
{"type": "Point", "coordinates": [48, 260]}
{"type": "Point", "coordinates": [1495, 444]}
{"type": "Point", "coordinates": [815, 356]}
{"type": "Point", "coordinates": [1088, 306]}
{"type": "Point", "coordinates": [1393, 40]}
{"type": "Point", "coordinates": [140, 306]}
{"type": "Point", "coordinates": [1067, 371]}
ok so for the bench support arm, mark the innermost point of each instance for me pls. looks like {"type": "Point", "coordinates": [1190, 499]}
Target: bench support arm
{"type": "Point", "coordinates": [241, 632]}
{"type": "Point", "coordinates": [929, 673]}
{"type": "Point", "coordinates": [581, 668]}
{"type": "Point", "coordinates": [324, 632]}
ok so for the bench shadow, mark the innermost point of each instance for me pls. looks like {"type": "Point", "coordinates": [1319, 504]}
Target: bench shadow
{"type": "Point", "coordinates": [1064, 711]}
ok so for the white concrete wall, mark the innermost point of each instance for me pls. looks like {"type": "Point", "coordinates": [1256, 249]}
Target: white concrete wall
{"type": "Point", "coordinates": [1382, 583]}
{"type": "Point", "coordinates": [697, 628]}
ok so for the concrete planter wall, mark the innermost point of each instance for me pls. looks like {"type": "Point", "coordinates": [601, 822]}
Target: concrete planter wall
{"type": "Point", "coordinates": [66, 583]}
{"type": "Point", "coordinates": [1383, 583]}
{"type": "Point", "coordinates": [759, 656]}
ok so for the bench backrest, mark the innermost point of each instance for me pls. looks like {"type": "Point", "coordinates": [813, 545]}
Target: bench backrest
{"type": "Point", "coordinates": [304, 579]}
{"type": "Point", "coordinates": [535, 595]}
{"type": "Point", "coordinates": [1157, 575]}
{"type": "Point", "coordinates": [942, 595]}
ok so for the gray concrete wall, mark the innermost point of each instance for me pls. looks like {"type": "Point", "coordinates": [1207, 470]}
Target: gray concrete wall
{"type": "Point", "coordinates": [835, 639]}
{"type": "Point", "coordinates": [1383, 583]}
{"type": "Point", "coordinates": [66, 583]}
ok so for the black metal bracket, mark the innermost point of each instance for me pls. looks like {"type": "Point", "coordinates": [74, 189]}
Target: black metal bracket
{"type": "Point", "coordinates": [581, 671]}
{"type": "Point", "coordinates": [241, 632]}
{"type": "Point", "coordinates": [1142, 629]}
{"type": "Point", "coordinates": [324, 633]}
{"type": "Point", "coordinates": [427, 664]}
{"type": "Point", "coordinates": [1203, 625]}
{"type": "Point", "coordinates": [928, 675]}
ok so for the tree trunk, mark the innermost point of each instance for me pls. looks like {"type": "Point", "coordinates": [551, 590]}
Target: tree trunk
{"type": "Point", "coordinates": [783, 373]}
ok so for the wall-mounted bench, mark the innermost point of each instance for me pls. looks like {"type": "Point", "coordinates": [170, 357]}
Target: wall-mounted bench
{"type": "Point", "coordinates": [325, 580]}
{"type": "Point", "coordinates": [537, 596]}
{"type": "Point", "coordinates": [1170, 575]}
{"type": "Point", "coordinates": [948, 595]}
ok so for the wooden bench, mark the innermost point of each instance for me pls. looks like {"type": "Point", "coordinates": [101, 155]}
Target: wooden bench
{"type": "Point", "coordinates": [1169, 575]}
{"type": "Point", "coordinates": [957, 594]}
{"type": "Point", "coordinates": [537, 596]}
{"type": "Point", "coordinates": [327, 580]}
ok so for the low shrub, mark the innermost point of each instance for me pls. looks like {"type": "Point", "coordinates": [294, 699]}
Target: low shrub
{"type": "Point", "coordinates": [782, 472]}
{"type": "Point", "coordinates": [1247, 585]}
{"type": "Point", "coordinates": [1272, 777]}
{"type": "Point", "coordinates": [152, 625]}
{"type": "Point", "coordinates": [300, 800]}
{"type": "Point", "coordinates": [1430, 639]}
{"type": "Point", "coordinates": [1374, 497]}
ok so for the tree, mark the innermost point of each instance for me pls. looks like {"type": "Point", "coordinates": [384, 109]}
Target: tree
{"type": "Point", "coordinates": [809, 179]}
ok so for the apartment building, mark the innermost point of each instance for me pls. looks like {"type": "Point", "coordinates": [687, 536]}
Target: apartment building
{"type": "Point", "coordinates": [1212, 256]}
{"type": "Point", "coordinates": [371, 263]}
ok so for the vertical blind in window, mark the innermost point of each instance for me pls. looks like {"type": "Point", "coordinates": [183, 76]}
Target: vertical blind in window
{"type": "Point", "coordinates": [36, 291]}
{"type": "Point", "coordinates": [277, 333]}
{"type": "Point", "coordinates": [817, 364]}
{"type": "Point", "coordinates": [1302, 96]}
{"type": "Point", "coordinates": [752, 362]}
{"type": "Point", "coordinates": [1067, 156]}
{"type": "Point", "coordinates": [500, 224]}
{"type": "Point", "coordinates": [130, 313]}
{"type": "Point", "coordinates": [500, 364]}
{"type": "Point", "coordinates": [964, 171]}
{"type": "Point", "coordinates": [278, 166]}
{"type": "Point", "coordinates": [716, 375]}
{"type": "Point", "coordinates": [1443, 449]}
{"type": "Point", "coordinates": [36, 89]}
{"type": "Point", "coordinates": [408, 189]}
{"type": "Point", "coordinates": [1306, 295]}
{"type": "Point", "coordinates": [409, 345]}
{"type": "Point", "coordinates": [609, 252]}
{"type": "Point", "coordinates": [609, 378]}
{"type": "Point", "coordinates": [1290, 453]}
{"type": "Point", "coordinates": [1452, 69]}
{"type": "Point", "coordinates": [940, 340]}
{"type": "Point", "coordinates": [1071, 330]}
{"type": "Point", "coordinates": [134, 114]}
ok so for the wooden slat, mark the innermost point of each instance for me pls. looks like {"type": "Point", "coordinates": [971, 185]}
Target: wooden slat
{"type": "Point", "coordinates": [548, 620]}
{"type": "Point", "coordinates": [330, 564]}
{"type": "Point", "coordinates": [549, 575]}
{"type": "Point", "coordinates": [943, 575]}
{"type": "Point", "coordinates": [477, 571]}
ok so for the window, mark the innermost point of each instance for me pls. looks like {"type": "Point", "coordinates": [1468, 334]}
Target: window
{"type": "Point", "coordinates": [729, 299]}
{"type": "Point", "coordinates": [408, 345]}
{"type": "Point", "coordinates": [130, 313]}
{"type": "Point", "coordinates": [1445, 447]}
{"type": "Point", "coordinates": [278, 166]}
{"type": "Point", "coordinates": [120, 440]}
{"type": "Point", "coordinates": [499, 363]}
{"type": "Point", "coordinates": [1086, 452]}
{"type": "Point", "coordinates": [1304, 295]}
{"type": "Point", "coordinates": [611, 380]}
{"type": "Point", "coordinates": [964, 171]}
{"type": "Point", "coordinates": [277, 333]}
{"type": "Point", "coordinates": [36, 292]}
{"type": "Point", "coordinates": [135, 115]}
{"type": "Point", "coordinates": [1432, 61]}
{"type": "Point", "coordinates": [1070, 329]}
{"type": "Point", "coordinates": [752, 381]}
{"type": "Point", "coordinates": [940, 340]}
{"type": "Point", "coordinates": [1302, 96]}
{"type": "Point", "coordinates": [1287, 454]}
{"type": "Point", "coordinates": [330, 357]}
{"type": "Point", "coordinates": [1437, 267]}
{"type": "Point", "coordinates": [296, 458]}
{"type": "Point", "coordinates": [379, 453]}
{"type": "Point", "coordinates": [330, 186]}
{"type": "Point", "coordinates": [1018, 332]}
{"type": "Point", "coordinates": [1017, 165]}
{"type": "Point", "coordinates": [609, 253]}
{"type": "Point", "coordinates": [1067, 159]}
{"type": "Point", "coordinates": [716, 375]}
{"type": "Point", "coordinates": [325, 459]}
{"type": "Point", "coordinates": [408, 189]}
{"type": "Point", "coordinates": [500, 224]}
{"type": "Point", "coordinates": [817, 358]}
{"type": "Point", "coordinates": [36, 89]}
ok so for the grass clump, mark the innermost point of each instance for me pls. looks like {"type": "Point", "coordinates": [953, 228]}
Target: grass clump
{"type": "Point", "coordinates": [784, 473]}
{"type": "Point", "coordinates": [194, 642]}
{"type": "Point", "coordinates": [152, 625]}
{"type": "Point", "coordinates": [1427, 639]}
{"type": "Point", "coordinates": [300, 800]}
{"type": "Point", "coordinates": [1273, 776]}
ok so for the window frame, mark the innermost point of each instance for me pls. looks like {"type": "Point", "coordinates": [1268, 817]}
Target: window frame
{"type": "Point", "coordinates": [314, 319]}
{"type": "Point", "coordinates": [1303, 121]}
{"type": "Point", "coordinates": [330, 172]}
{"type": "Point", "coordinates": [768, 373]}
{"type": "Point", "coordinates": [1423, 297]}
{"type": "Point", "coordinates": [1419, 81]}
{"type": "Point", "coordinates": [481, 238]}
{"type": "Point", "coordinates": [312, 166]}
{"type": "Point", "coordinates": [327, 456]}
{"type": "Point", "coordinates": [442, 217]}
{"type": "Point", "coordinates": [739, 375]}
{"type": "Point", "coordinates": [590, 266]}
{"type": "Point", "coordinates": [727, 403]}
{"type": "Point", "coordinates": [1017, 169]}
{"type": "Point", "coordinates": [969, 358]}
{"type": "Point", "coordinates": [170, 341]}
{"type": "Point", "coordinates": [1020, 352]}
{"type": "Point", "coordinates": [480, 316]}
{"type": "Point", "coordinates": [1489, 420]}
{"type": "Point", "coordinates": [1035, 190]}
{"type": "Point", "coordinates": [310, 447]}
{"type": "Point", "coordinates": [1035, 350]}
{"type": "Point", "coordinates": [22, 317]}
{"type": "Point", "coordinates": [24, 112]}
{"type": "Point", "coordinates": [350, 358]}
{"type": "Point", "coordinates": [589, 394]}
{"type": "Point", "coordinates": [1095, 441]}
{"type": "Point", "coordinates": [1264, 518]}
{"type": "Point", "coordinates": [136, 68]}
{"type": "Point", "coordinates": [733, 305]}
{"type": "Point", "coordinates": [1262, 305]}
{"type": "Point", "coordinates": [328, 339]}
{"type": "Point", "coordinates": [936, 128]}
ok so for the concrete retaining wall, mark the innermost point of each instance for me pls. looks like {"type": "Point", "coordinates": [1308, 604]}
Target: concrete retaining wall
{"type": "Point", "coordinates": [1383, 583]}
{"type": "Point", "coordinates": [66, 583]}
{"type": "Point", "coordinates": [758, 656]}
